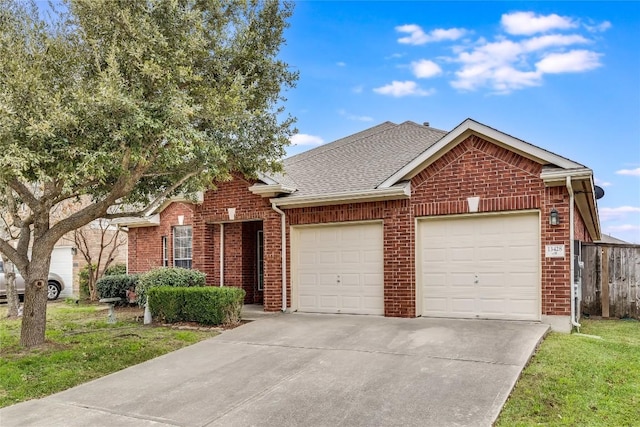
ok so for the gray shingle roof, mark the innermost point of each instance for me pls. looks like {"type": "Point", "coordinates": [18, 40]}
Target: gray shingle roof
{"type": "Point", "coordinates": [358, 162]}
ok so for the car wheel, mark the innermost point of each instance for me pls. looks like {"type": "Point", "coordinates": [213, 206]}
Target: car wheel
{"type": "Point", "coordinates": [53, 291]}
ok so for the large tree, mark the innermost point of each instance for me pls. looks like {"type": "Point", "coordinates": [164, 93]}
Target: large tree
{"type": "Point", "coordinates": [129, 102]}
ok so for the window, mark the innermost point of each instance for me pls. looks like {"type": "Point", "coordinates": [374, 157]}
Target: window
{"type": "Point", "coordinates": [165, 252]}
{"type": "Point", "coordinates": [182, 246]}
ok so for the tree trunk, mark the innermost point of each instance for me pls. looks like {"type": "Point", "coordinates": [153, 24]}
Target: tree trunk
{"type": "Point", "coordinates": [34, 314]}
{"type": "Point", "coordinates": [13, 301]}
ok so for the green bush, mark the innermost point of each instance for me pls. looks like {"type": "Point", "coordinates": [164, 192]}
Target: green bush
{"type": "Point", "coordinates": [168, 276]}
{"type": "Point", "coordinates": [114, 269]}
{"type": "Point", "coordinates": [209, 305]}
{"type": "Point", "coordinates": [83, 281]}
{"type": "Point", "coordinates": [116, 286]}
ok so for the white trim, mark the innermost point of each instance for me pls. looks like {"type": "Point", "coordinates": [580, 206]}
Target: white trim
{"type": "Point", "coordinates": [222, 254]}
{"type": "Point", "coordinates": [560, 176]}
{"type": "Point", "coordinates": [270, 190]}
{"type": "Point", "coordinates": [394, 193]}
{"type": "Point", "coordinates": [471, 126]}
{"type": "Point", "coordinates": [133, 222]}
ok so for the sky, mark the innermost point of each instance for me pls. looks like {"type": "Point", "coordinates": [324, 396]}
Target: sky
{"type": "Point", "coordinates": [564, 76]}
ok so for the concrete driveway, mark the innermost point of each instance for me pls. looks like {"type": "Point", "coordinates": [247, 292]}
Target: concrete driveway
{"type": "Point", "coordinates": [311, 370]}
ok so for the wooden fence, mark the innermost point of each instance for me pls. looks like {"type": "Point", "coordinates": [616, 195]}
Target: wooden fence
{"type": "Point", "coordinates": [611, 280]}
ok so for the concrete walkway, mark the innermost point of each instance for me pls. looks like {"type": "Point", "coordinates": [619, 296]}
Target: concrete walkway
{"type": "Point", "coordinates": [311, 370]}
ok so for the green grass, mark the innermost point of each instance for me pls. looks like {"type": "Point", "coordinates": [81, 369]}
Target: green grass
{"type": "Point", "coordinates": [80, 346]}
{"type": "Point", "coordinates": [575, 380]}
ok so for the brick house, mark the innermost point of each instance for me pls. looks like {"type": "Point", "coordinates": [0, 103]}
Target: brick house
{"type": "Point", "coordinates": [399, 220]}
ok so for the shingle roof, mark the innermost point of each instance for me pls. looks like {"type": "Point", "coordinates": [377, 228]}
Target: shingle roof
{"type": "Point", "coordinates": [358, 162]}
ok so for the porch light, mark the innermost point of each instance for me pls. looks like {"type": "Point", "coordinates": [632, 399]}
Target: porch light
{"type": "Point", "coordinates": [554, 217]}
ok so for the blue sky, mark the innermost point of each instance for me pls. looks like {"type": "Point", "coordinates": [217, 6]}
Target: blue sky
{"type": "Point", "coordinates": [564, 76]}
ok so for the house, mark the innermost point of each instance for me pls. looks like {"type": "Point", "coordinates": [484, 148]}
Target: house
{"type": "Point", "coordinates": [400, 220]}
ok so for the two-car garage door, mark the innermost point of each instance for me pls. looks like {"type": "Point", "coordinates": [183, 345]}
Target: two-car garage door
{"type": "Point", "coordinates": [480, 266]}
{"type": "Point", "coordinates": [338, 268]}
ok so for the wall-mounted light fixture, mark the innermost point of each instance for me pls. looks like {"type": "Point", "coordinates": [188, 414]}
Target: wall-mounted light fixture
{"type": "Point", "coordinates": [554, 217]}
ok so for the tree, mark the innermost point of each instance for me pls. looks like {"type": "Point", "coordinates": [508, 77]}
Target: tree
{"type": "Point", "coordinates": [98, 243]}
{"type": "Point", "coordinates": [128, 103]}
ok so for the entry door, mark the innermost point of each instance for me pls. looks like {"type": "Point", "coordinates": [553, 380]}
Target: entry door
{"type": "Point", "coordinates": [480, 267]}
{"type": "Point", "coordinates": [339, 268]}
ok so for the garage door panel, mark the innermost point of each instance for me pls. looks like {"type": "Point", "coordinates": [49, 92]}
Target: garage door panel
{"type": "Point", "coordinates": [349, 271]}
{"type": "Point", "coordinates": [484, 266]}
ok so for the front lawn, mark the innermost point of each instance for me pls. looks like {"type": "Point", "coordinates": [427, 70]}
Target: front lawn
{"type": "Point", "coordinates": [576, 380]}
{"type": "Point", "coordinates": [80, 346]}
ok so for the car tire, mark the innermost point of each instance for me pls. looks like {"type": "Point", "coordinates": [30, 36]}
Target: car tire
{"type": "Point", "coordinates": [53, 290]}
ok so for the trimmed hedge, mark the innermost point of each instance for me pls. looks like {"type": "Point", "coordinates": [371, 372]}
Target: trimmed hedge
{"type": "Point", "coordinates": [116, 286]}
{"type": "Point", "coordinates": [209, 305]}
{"type": "Point", "coordinates": [168, 276]}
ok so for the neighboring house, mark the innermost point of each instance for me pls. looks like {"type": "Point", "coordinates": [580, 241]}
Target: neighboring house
{"type": "Point", "coordinates": [400, 220]}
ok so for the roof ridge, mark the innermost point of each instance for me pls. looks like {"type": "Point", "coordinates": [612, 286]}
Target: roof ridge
{"type": "Point", "coordinates": [333, 145]}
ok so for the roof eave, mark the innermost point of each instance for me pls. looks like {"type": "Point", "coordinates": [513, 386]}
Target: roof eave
{"type": "Point", "coordinates": [398, 192]}
{"type": "Point", "coordinates": [270, 190]}
{"type": "Point", "coordinates": [136, 222]}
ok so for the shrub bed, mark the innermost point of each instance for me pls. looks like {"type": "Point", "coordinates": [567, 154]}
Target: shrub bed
{"type": "Point", "coordinates": [116, 286]}
{"type": "Point", "coordinates": [168, 276]}
{"type": "Point", "coordinates": [208, 305]}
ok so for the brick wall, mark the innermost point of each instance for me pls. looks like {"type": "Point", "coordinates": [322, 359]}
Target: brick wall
{"type": "Point", "coordinates": [503, 180]}
{"type": "Point", "coordinates": [145, 243]}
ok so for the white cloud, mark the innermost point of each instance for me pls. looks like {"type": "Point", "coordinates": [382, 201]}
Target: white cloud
{"type": "Point", "coordinates": [504, 65]}
{"type": "Point", "coordinates": [624, 227]}
{"type": "Point", "coordinates": [569, 62]}
{"type": "Point", "coordinates": [417, 36]}
{"type": "Point", "coordinates": [528, 23]}
{"type": "Point", "coordinates": [617, 213]}
{"type": "Point", "coordinates": [424, 69]}
{"type": "Point", "coordinates": [603, 183]}
{"type": "Point", "coordinates": [354, 117]}
{"type": "Point", "coordinates": [552, 40]}
{"type": "Point", "coordinates": [394, 56]}
{"type": "Point", "coordinates": [305, 139]}
{"type": "Point", "coordinates": [398, 89]}
{"type": "Point", "coordinates": [632, 172]}
{"type": "Point", "coordinates": [598, 28]}
{"type": "Point", "coordinates": [357, 89]}
{"type": "Point", "coordinates": [341, 64]}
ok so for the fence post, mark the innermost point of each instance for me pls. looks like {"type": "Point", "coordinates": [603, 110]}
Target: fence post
{"type": "Point", "coordinates": [604, 285]}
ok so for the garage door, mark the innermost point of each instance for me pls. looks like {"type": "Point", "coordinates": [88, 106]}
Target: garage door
{"type": "Point", "coordinates": [338, 268]}
{"type": "Point", "coordinates": [62, 265]}
{"type": "Point", "coordinates": [480, 267]}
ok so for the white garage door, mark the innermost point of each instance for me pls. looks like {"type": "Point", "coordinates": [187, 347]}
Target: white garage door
{"type": "Point", "coordinates": [62, 265]}
{"type": "Point", "coordinates": [480, 267]}
{"type": "Point", "coordinates": [339, 268]}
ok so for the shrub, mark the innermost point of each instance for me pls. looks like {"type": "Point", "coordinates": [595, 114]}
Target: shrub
{"type": "Point", "coordinates": [208, 305]}
{"type": "Point", "coordinates": [83, 281]}
{"type": "Point", "coordinates": [168, 276]}
{"type": "Point", "coordinates": [114, 269]}
{"type": "Point", "coordinates": [116, 286]}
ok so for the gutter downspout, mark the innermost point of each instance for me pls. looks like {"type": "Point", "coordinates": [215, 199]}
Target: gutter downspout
{"type": "Point", "coordinates": [221, 254]}
{"type": "Point", "coordinates": [571, 262]}
{"type": "Point", "coordinates": [283, 232]}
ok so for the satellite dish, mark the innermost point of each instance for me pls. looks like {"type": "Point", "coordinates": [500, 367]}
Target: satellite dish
{"type": "Point", "coordinates": [599, 192]}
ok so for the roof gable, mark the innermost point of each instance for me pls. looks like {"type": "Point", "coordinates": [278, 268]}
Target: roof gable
{"type": "Point", "coordinates": [459, 134]}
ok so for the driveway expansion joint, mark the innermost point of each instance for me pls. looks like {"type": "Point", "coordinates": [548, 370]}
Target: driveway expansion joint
{"type": "Point", "coordinates": [391, 353]}
{"type": "Point", "coordinates": [128, 415]}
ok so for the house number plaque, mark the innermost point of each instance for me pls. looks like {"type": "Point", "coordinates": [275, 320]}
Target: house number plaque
{"type": "Point", "coordinates": [554, 251]}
